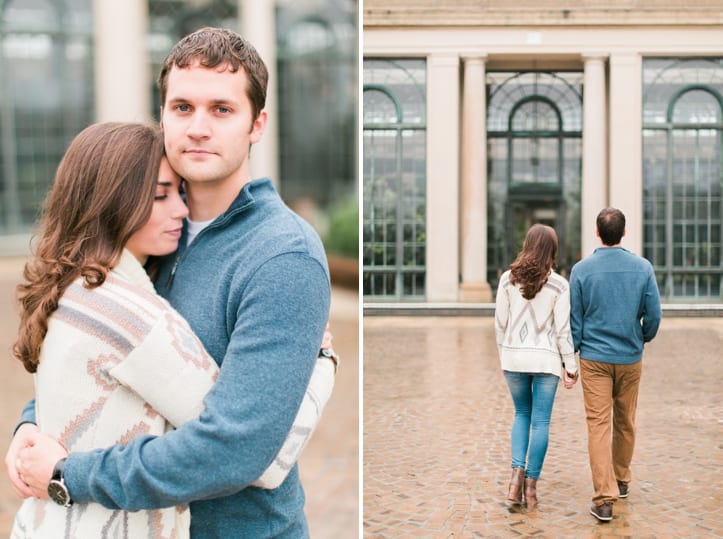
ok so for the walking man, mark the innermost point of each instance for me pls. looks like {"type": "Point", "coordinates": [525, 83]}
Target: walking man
{"type": "Point", "coordinates": [615, 310]}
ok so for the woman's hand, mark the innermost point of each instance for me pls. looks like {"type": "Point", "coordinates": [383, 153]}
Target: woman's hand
{"type": "Point", "coordinates": [36, 460]}
{"type": "Point", "coordinates": [23, 438]}
{"type": "Point", "coordinates": [569, 380]}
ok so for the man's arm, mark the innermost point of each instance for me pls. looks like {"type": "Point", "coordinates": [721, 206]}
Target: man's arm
{"type": "Point", "coordinates": [27, 415]}
{"type": "Point", "coordinates": [576, 311]}
{"type": "Point", "coordinates": [248, 412]}
{"type": "Point", "coordinates": [653, 312]}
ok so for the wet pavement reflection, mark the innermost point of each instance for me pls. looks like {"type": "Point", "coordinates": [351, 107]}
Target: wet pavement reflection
{"type": "Point", "coordinates": [437, 417]}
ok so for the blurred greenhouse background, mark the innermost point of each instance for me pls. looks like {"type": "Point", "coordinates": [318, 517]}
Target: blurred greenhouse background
{"type": "Point", "coordinates": [67, 63]}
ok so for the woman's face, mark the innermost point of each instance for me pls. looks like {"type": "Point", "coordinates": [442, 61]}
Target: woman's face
{"type": "Point", "coordinates": [160, 235]}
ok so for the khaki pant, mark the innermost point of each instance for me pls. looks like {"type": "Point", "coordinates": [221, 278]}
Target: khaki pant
{"type": "Point", "coordinates": [611, 398]}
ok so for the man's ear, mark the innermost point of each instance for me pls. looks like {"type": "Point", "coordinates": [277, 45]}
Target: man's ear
{"type": "Point", "coordinates": [257, 128]}
{"type": "Point", "coordinates": [160, 115]}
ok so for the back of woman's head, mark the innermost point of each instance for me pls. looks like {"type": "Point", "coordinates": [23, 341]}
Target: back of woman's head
{"type": "Point", "coordinates": [103, 192]}
{"type": "Point", "coordinates": [538, 258]}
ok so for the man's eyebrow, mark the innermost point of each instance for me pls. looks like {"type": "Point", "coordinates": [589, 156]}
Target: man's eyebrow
{"type": "Point", "coordinates": [165, 184]}
{"type": "Point", "coordinates": [219, 101]}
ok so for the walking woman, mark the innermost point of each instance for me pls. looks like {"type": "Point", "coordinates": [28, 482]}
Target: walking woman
{"type": "Point", "coordinates": [532, 327]}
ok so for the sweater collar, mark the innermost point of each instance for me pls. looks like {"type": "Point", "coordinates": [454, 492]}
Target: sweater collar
{"type": "Point", "coordinates": [610, 249]}
{"type": "Point", "coordinates": [255, 189]}
{"type": "Point", "coordinates": [129, 269]}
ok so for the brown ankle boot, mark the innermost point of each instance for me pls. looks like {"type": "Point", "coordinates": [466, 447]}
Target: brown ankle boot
{"type": "Point", "coordinates": [530, 493]}
{"type": "Point", "coordinates": [515, 490]}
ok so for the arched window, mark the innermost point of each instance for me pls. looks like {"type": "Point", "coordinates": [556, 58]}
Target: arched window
{"type": "Point", "coordinates": [394, 232]}
{"type": "Point", "coordinates": [534, 130]}
{"type": "Point", "coordinates": [683, 176]}
{"type": "Point", "coordinates": [318, 96]}
{"type": "Point", "coordinates": [47, 98]}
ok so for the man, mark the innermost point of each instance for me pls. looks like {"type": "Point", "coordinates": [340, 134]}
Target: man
{"type": "Point", "coordinates": [615, 309]}
{"type": "Point", "coordinates": [251, 279]}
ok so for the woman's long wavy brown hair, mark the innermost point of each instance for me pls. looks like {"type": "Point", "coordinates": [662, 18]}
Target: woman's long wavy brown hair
{"type": "Point", "coordinates": [103, 192]}
{"type": "Point", "coordinates": [537, 259]}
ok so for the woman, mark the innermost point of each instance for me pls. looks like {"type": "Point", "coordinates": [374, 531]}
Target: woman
{"type": "Point", "coordinates": [112, 360]}
{"type": "Point", "coordinates": [532, 327]}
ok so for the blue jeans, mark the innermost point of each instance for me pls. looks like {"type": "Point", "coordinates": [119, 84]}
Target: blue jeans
{"type": "Point", "coordinates": [533, 395]}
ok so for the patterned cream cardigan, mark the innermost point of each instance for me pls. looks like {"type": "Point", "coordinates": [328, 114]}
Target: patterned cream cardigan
{"type": "Point", "coordinates": [118, 362]}
{"type": "Point", "coordinates": [534, 335]}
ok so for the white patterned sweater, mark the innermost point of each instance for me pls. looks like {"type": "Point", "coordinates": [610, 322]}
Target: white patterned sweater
{"type": "Point", "coordinates": [105, 352]}
{"type": "Point", "coordinates": [534, 335]}
{"type": "Point", "coordinates": [118, 362]}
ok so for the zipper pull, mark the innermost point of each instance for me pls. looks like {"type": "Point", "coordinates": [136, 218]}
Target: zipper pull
{"type": "Point", "coordinates": [172, 275]}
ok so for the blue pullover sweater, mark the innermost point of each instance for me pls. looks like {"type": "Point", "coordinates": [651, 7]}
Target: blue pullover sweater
{"type": "Point", "coordinates": [615, 306]}
{"type": "Point", "coordinates": [254, 286]}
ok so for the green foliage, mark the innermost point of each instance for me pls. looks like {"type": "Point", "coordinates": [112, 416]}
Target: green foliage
{"type": "Point", "coordinates": [343, 236]}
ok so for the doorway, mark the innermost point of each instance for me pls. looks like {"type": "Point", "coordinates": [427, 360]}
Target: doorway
{"type": "Point", "coordinates": [521, 214]}
{"type": "Point", "coordinates": [534, 153]}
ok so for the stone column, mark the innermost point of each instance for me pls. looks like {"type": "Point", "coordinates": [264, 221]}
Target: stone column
{"type": "Point", "coordinates": [626, 175]}
{"type": "Point", "coordinates": [594, 150]}
{"type": "Point", "coordinates": [473, 201]}
{"type": "Point", "coordinates": [442, 276]}
{"type": "Point", "coordinates": [258, 26]}
{"type": "Point", "coordinates": [122, 78]}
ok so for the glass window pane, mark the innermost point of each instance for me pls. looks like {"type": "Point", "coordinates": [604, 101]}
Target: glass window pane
{"type": "Point", "coordinates": [47, 98]}
{"type": "Point", "coordinates": [681, 174]}
{"type": "Point", "coordinates": [697, 107]}
{"type": "Point", "coordinates": [394, 163]}
{"type": "Point", "coordinates": [317, 99]}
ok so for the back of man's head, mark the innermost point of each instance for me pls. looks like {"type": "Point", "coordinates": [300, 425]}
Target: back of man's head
{"type": "Point", "coordinates": [611, 226]}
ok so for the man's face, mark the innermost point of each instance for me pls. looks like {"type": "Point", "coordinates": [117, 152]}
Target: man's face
{"type": "Point", "coordinates": [208, 125]}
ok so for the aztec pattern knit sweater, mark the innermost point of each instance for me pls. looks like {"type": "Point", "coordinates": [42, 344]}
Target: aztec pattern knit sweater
{"type": "Point", "coordinates": [107, 352]}
{"type": "Point", "coordinates": [534, 335]}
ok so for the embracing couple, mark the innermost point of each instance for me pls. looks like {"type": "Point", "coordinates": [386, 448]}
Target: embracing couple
{"type": "Point", "coordinates": [173, 313]}
{"type": "Point", "coordinates": [606, 313]}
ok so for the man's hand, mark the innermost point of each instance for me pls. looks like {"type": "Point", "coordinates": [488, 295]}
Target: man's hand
{"type": "Point", "coordinates": [21, 439]}
{"type": "Point", "coordinates": [36, 460]}
{"type": "Point", "coordinates": [328, 337]}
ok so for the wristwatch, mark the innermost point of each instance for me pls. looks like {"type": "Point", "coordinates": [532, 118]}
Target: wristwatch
{"type": "Point", "coordinates": [333, 356]}
{"type": "Point", "coordinates": [57, 490]}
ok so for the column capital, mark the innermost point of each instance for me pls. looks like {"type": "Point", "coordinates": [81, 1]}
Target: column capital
{"type": "Point", "coordinates": [596, 55]}
{"type": "Point", "coordinates": [443, 58]}
{"type": "Point", "coordinates": [470, 57]}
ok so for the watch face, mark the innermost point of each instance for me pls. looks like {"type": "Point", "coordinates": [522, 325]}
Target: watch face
{"type": "Point", "coordinates": [58, 493]}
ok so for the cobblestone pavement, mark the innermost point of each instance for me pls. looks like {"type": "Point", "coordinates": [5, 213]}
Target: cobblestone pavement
{"type": "Point", "coordinates": [437, 417]}
{"type": "Point", "coordinates": [329, 466]}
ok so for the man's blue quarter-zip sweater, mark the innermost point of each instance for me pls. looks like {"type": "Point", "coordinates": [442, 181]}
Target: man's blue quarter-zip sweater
{"type": "Point", "coordinates": [254, 286]}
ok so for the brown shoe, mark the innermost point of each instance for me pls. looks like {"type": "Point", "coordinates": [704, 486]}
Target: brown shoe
{"type": "Point", "coordinates": [530, 493]}
{"type": "Point", "coordinates": [622, 489]}
{"type": "Point", "coordinates": [514, 493]}
{"type": "Point", "coordinates": [603, 512]}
